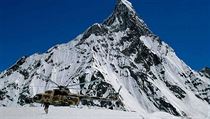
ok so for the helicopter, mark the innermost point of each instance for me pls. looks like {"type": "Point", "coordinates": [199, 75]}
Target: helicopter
{"type": "Point", "coordinates": [62, 96]}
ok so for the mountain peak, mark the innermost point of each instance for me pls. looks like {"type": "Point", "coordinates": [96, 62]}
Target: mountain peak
{"type": "Point", "coordinates": [124, 16]}
{"type": "Point", "coordinates": [126, 4]}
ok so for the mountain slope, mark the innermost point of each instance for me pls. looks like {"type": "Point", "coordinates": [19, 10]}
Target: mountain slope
{"type": "Point", "coordinates": [206, 71]}
{"type": "Point", "coordinates": [121, 51]}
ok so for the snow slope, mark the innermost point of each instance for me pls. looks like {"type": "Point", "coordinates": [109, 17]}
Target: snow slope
{"type": "Point", "coordinates": [121, 51]}
{"type": "Point", "coordinates": [64, 113]}
{"type": "Point", "coordinates": [72, 113]}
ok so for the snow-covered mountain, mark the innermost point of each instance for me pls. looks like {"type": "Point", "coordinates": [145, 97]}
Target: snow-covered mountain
{"type": "Point", "coordinates": [121, 51]}
{"type": "Point", "coordinates": [206, 71]}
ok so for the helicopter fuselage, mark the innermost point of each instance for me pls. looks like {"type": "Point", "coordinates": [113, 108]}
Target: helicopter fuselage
{"type": "Point", "coordinates": [57, 97]}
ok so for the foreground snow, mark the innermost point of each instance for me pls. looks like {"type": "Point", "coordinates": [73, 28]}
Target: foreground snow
{"type": "Point", "coordinates": [75, 113]}
{"type": "Point", "coordinates": [64, 113]}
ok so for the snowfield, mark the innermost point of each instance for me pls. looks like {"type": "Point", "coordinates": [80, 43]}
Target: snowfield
{"type": "Point", "coordinates": [75, 113]}
{"type": "Point", "coordinates": [64, 113]}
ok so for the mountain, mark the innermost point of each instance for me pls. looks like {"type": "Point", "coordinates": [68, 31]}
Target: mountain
{"type": "Point", "coordinates": [206, 71]}
{"type": "Point", "coordinates": [121, 51]}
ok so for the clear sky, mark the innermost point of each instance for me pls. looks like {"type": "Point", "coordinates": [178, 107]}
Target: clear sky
{"type": "Point", "coordinates": [31, 26]}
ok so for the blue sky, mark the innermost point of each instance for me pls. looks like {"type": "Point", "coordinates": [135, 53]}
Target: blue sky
{"type": "Point", "coordinates": [33, 26]}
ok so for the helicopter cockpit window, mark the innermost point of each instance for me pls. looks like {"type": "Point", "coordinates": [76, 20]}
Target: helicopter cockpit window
{"type": "Point", "coordinates": [38, 97]}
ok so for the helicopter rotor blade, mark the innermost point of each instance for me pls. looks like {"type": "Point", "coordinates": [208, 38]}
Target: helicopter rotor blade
{"type": "Point", "coordinates": [74, 75]}
{"type": "Point", "coordinates": [48, 79]}
{"type": "Point", "coordinates": [57, 87]}
{"type": "Point", "coordinates": [83, 83]}
{"type": "Point", "coordinates": [53, 82]}
{"type": "Point", "coordinates": [119, 89]}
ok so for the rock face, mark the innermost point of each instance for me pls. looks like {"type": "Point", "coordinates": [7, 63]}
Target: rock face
{"type": "Point", "coordinates": [206, 72]}
{"type": "Point", "coordinates": [121, 51]}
